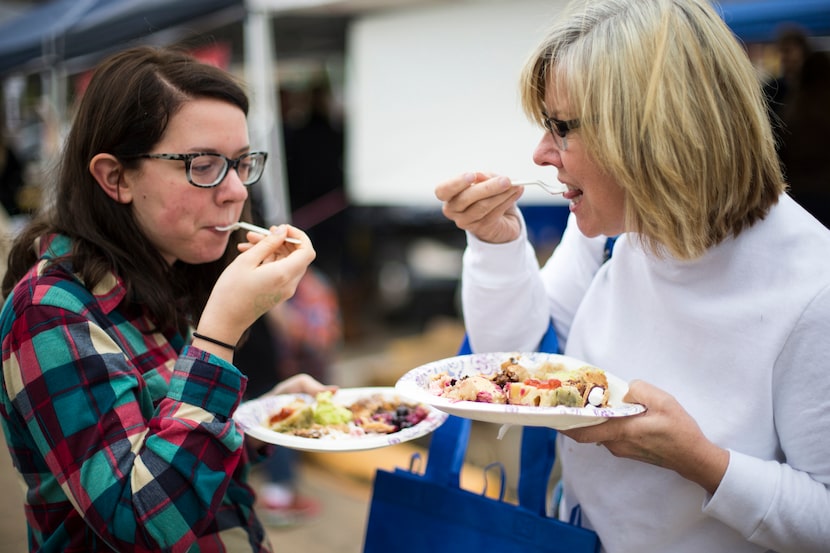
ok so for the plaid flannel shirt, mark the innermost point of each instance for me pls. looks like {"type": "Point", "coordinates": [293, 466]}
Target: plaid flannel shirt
{"type": "Point", "coordinates": [122, 434]}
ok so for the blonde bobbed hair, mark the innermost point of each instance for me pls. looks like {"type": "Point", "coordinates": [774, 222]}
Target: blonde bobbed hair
{"type": "Point", "coordinates": [671, 106]}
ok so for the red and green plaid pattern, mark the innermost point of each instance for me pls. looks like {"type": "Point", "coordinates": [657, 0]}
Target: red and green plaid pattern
{"type": "Point", "coordinates": [122, 433]}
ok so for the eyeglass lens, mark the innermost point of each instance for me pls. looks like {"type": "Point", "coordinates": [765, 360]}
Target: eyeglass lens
{"type": "Point", "coordinates": [559, 138]}
{"type": "Point", "coordinates": [561, 141]}
{"type": "Point", "coordinates": [209, 169]}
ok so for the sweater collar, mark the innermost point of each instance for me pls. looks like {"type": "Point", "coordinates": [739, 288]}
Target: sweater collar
{"type": "Point", "coordinates": [109, 292]}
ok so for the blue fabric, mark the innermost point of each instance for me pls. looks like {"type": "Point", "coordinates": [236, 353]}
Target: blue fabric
{"type": "Point", "coordinates": [549, 343]}
{"type": "Point", "coordinates": [448, 444]}
{"type": "Point", "coordinates": [538, 443]}
{"type": "Point", "coordinates": [410, 513]}
{"type": "Point", "coordinates": [609, 248]}
{"type": "Point", "coordinates": [759, 20]}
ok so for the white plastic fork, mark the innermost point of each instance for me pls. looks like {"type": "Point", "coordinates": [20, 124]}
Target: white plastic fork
{"type": "Point", "coordinates": [254, 228]}
{"type": "Point", "coordinates": [554, 189]}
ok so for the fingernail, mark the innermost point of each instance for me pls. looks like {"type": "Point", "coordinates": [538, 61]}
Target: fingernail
{"type": "Point", "coordinates": [504, 182]}
{"type": "Point", "coordinates": [470, 178]}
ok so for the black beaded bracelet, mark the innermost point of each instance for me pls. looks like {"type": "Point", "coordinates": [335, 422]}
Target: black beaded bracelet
{"type": "Point", "coordinates": [214, 341]}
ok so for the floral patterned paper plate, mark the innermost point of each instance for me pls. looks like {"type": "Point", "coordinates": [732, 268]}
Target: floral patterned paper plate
{"type": "Point", "coordinates": [415, 385]}
{"type": "Point", "coordinates": [252, 415]}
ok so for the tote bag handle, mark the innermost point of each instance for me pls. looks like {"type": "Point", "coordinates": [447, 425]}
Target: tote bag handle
{"type": "Point", "coordinates": [448, 446]}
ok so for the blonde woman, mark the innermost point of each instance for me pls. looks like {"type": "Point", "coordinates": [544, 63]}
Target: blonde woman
{"type": "Point", "coordinates": [715, 304]}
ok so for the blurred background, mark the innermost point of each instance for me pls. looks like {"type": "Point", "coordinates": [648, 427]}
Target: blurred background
{"type": "Point", "coordinates": [364, 106]}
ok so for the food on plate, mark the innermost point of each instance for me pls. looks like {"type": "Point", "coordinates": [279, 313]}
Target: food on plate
{"type": "Point", "coordinates": [297, 414]}
{"type": "Point", "coordinates": [544, 385]}
{"type": "Point", "coordinates": [476, 388]}
{"type": "Point", "coordinates": [326, 412]}
{"type": "Point", "coordinates": [324, 417]}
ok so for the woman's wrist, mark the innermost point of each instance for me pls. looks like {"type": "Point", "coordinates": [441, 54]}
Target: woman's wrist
{"type": "Point", "coordinates": [221, 343]}
{"type": "Point", "coordinates": [215, 342]}
{"type": "Point", "coordinates": [708, 467]}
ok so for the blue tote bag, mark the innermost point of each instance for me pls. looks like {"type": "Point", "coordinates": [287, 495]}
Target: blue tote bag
{"type": "Point", "coordinates": [431, 513]}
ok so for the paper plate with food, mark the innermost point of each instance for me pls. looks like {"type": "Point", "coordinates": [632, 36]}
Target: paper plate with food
{"type": "Point", "coordinates": [349, 419]}
{"type": "Point", "coordinates": [528, 389]}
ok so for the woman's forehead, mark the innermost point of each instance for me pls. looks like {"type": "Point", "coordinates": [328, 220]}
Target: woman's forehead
{"type": "Point", "coordinates": [205, 119]}
{"type": "Point", "coordinates": [556, 99]}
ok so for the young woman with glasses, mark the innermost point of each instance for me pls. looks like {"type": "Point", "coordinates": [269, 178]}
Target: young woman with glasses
{"type": "Point", "coordinates": [124, 304]}
{"type": "Point", "coordinates": [715, 305]}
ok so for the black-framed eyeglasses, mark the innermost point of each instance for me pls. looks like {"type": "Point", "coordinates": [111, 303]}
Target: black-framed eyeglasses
{"type": "Point", "coordinates": [207, 170]}
{"type": "Point", "coordinates": [559, 129]}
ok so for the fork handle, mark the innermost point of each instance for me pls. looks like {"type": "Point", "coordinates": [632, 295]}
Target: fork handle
{"type": "Point", "coordinates": [264, 231]}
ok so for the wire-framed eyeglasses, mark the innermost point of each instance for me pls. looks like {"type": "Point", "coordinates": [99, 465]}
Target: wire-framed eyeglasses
{"type": "Point", "coordinates": [559, 129]}
{"type": "Point", "coordinates": [207, 170]}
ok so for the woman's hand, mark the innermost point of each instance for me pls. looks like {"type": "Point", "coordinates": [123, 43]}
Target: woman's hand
{"type": "Point", "coordinates": [266, 273]}
{"type": "Point", "coordinates": [665, 435]}
{"type": "Point", "coordinates": [297, 384]}
{"type": "Point", "coordinates": [484, 205]}
{"type": "Point", "coordinates": [301, 384]}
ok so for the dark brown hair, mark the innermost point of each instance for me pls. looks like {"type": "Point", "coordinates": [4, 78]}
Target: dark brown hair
{"type": "Point", "coordinates": [125, 110]}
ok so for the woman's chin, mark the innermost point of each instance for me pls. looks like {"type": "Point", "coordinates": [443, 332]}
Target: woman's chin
{"type": "Point", "coordinates": [587, 226]}
{"type": "Point", "coordinates": [202, 256]}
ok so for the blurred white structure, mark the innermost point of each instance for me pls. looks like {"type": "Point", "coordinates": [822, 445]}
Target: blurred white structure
{"type": "Point", "coordinates": [431, 85]}
{"type": "Point", "coordinates": [433, 92]}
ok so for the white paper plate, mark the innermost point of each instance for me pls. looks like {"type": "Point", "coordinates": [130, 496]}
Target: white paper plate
{"type": "Point", "coordinates": [415, 384]}
{"type": "Point", "coordinates": [252, 414]}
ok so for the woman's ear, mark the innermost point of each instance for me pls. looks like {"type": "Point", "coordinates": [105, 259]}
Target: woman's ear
{"type": "Point", "coordinates": [109, 173]}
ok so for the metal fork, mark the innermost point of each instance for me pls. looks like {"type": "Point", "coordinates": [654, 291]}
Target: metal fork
{"type": "Point", "coordinates": [554, 189]}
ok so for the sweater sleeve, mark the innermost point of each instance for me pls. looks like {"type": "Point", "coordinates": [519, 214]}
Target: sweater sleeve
{"type": "Point", "coordinates": [502, 295]}
{"type": "Point", "coordinates": [568, 274]}
{"type": "Point", "coordinates": [146, 473]}
{"type": "Point", "coordinates": [785, 505]}
{"type": "Point", "coordinates": [508, 301]}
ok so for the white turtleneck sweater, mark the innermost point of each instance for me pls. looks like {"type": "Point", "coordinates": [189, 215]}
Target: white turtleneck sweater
{"type": "Point", "coordinates": [741, 337]}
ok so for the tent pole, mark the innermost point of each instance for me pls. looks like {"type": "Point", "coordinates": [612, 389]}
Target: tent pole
{"type": "Point", "coordinates": [264, 117]}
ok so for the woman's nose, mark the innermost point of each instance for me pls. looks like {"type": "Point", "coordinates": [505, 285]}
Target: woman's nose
{"type": "Point", "coordinates": [547, 152]}
{"type": "Point", "coordinates": [231, 188]}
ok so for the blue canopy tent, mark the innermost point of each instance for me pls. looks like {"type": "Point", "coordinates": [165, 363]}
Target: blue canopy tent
{"type": "Point", "coordinates": [35, 34]}
{"type": "Point", "coordinates": [64, 29]}
{"type": "Point", "coordinates": [759, 20]}
{"type": "Point", "coordinates": [61, 36]}
{"type": "Point", "coordinates": [48, 38]}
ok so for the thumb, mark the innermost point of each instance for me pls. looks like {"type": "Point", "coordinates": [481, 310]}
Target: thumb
{"type": "Point", "coordinates": [637, 390]}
